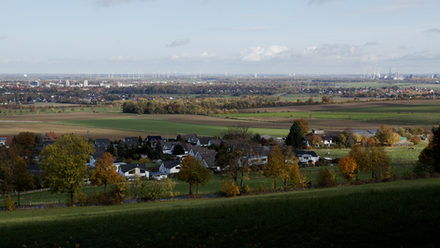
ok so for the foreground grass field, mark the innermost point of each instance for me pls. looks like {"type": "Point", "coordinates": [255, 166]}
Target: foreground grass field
{"type": "Point", "coordinates": [397, 214]}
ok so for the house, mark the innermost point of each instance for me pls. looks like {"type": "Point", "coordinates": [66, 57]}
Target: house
{"type": "Point", "coordinates": [153, 140]}
{"type": "Point", "coordinates": [318, 131]}
{"type": "Point", "coordinates": [257, 156]}
{"type": "Point", "coordinates": [189, 138]}
{"type": "Point", "coordinates": [214, 142]}
{"type": "Point", "coordinates": [102, 144]}
{"type": "Point", "coordinates": [170, 167]}
{"type": "Point", "coordinates": [6, 141]}
{"type": "Point", "coordinates": [369, 132]}
{"type": "Point", "coordinates": [307, 157]}
{"type": "Point", "coordinates": [50, 137]}
{"type": "Point", "coordinates": [203, 141]}
{"type": "Point", "coordinates": [168, 147]}
{"type": "Point", "coordinates": [131, 141]}
{"type": "Point", "coordinates": [205, 156]}
{"type": "Point", "coordinates": [131, 171]}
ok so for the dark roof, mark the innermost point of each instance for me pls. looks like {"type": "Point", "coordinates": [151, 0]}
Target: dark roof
{"type": "Point", "coordinates": [300, 153]}
{"type": "Point", "coordinates": [191, 137]}
{"type": "Point", "coordinates": [204, 140]}
{"type": "Point", "coordinates": [128, 167]}
{"type": "Point", "coordinates": [170, 163]}
{"type": "Point", "coordinates": [153, 138]}
{"type": "Point", "coordinates": [102, 143]}
{"type": "Point", "coordinates": [208, 156]}
{"type": "Point", "coordinates": [131, 141]}
{"type": "Point", "coordinates": [215, 142]}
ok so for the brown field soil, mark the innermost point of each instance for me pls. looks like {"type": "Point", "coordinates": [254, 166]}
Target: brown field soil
{"type": "Point", "coordinates": [13, 128]}
{"type": "Point", "coordinates": [337, 106]}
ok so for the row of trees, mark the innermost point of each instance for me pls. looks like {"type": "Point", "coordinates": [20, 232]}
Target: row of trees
{"type": "Point", "coordinates": [201, 106]}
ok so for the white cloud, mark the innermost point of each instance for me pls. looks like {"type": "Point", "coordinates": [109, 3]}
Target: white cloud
{"type": "Point", "coordinates": [177, 43]}
{"type": "Point", "coordinates": [337, 51]}
{"type": "Point", "coordinates": [256, 54]}
{"type": "Point", "coordinates": [3, 37]}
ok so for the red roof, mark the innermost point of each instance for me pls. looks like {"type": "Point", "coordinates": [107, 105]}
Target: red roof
{"type": "Point", "coordinates": [51, 136]}
{"type": "Point", "coordinates": [7, 139]}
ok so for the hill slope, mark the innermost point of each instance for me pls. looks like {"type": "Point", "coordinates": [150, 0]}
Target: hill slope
{"type": "Point", "coordinates": [404, 214]}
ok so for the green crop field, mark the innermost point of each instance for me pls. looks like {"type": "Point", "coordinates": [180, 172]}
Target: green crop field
{"type": "Point", "coordinates": [396, 214]}
{"type": "Point", "coordinates": [403, 118]}
{"type": "Point", "coordinates": [167, 127]}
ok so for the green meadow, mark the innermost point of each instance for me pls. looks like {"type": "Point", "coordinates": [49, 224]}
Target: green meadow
{"type": "Point", "coordinates": [167, 127]}
{"type": "Point", "coordinates": [395, 214]}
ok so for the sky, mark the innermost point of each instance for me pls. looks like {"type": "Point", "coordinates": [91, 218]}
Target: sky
{"type": "Point", "coordinates": [220, 36]}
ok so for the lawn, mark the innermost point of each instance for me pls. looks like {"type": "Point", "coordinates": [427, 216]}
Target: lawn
{"type": "Point", "coordinates": [396, 214]}
{"type": "Point", "coordinates": [167, 127]}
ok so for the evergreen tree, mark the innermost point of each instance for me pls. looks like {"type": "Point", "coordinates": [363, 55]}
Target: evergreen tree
{"type": "Point", "coordinates": [295, 137]}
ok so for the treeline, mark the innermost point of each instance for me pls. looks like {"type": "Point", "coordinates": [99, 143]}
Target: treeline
{"type": "Point", "coordinates": [202, 106]}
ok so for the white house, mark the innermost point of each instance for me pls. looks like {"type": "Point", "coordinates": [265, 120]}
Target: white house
{"type": "Point", "coordinates": [130, 171]}
{"type": "Point", "coordinates": [170, 167]}
{"type": "Point", "coordinates": [306, 157]}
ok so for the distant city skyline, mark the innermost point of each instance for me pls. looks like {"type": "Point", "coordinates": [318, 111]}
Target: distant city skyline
{"type": "Point", "coordinates": [223, 36]}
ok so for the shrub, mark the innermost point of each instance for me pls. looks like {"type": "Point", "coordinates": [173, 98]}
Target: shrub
{"type": "Point", "coordinates": [246, 189]}
{"type": "Point", "coordinates": [82, 199]}
{"type": "Point", "coordinates": [326, 178]}
{"type": "Point", "coordinates": [230, 189]}
{"type": "Point", "coordinates": [119, 192]}
{"type": "Point", "coordinates": [9, 204]}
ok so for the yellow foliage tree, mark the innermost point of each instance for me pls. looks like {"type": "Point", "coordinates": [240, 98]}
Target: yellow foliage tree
{"type": "Point", "coordinates": [105, 172]}
{"type": "Point", "coordinates": [348, 168]}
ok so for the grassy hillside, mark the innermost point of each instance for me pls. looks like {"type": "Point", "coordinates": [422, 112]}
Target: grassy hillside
{"type": "Point", "coordinates": [397, 214]}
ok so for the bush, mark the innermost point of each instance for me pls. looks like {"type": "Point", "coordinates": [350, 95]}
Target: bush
{"type": "Point", "coordinates": [326, 178]}
{"type": "Point", "coordinates": [246, 189]}
{"type": "Point", "coordinates": [230, 189]}
{"type": "Point", "coordinates": [9, 204]}
{"type": "Point", "coordinates": [82, 199]}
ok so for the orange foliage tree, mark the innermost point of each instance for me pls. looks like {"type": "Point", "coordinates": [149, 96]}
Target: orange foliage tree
{"type": "Point", "coordinates": [105, 172]}
{"type": "Point", "coordinates": [348, 168]}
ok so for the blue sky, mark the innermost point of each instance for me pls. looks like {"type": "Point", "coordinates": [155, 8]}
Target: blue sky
{"type": "Point", "coordinates": [219, 36]}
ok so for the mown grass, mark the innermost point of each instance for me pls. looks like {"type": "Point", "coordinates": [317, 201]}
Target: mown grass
{"type": "Point", "coordinates": [397, 214]}
{"type": "Point", "coordinates": [167, 127]}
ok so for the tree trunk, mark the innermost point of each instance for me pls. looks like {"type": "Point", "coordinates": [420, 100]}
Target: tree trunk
{"type": "Point", "coordinates": [285, 184]}
{"type": "Point", "coordinates": [105, 186]}
{"type": "Point", "coordinates": [190, 189]}
{"type": "Point", "coordinates": [18, 198]}
{"type": "Point", "coordinates": [197, 189]}
{"type": "Point", "coordinates": [71, 198]}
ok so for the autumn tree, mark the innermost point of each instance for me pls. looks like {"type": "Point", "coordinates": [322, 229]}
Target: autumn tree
{"type": "Point", "coordinates": [295, 136]}
{"type": "Point", "coordinates": [415, 139]}
{"type": "Point", "coordinates": [105, 172]}
{"type": "Point", "coordinates": [304, 124]}
{"type": "Point", "coordinates": [64, 164]}
{"type": "Point", "coordinates": [21, 178]}
{"type": "Point", "coordinates": [193, 173]}
{"type": "Point", "coordinates": [379, 163]}
{"type": "Point", "coordinates": [386, 136]}
{"type": "Point", "coordinates": [274, 165]}
{"type": "Point", "coordinates": [290, 173]}
{"type": "Point", "coordinates": [14, 174]}
{"type": "Point", "coordinates": [347, 168]}
{"type": "Point", "coordinates": [429, 158]}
